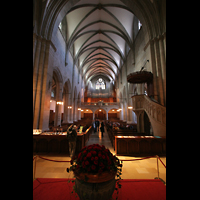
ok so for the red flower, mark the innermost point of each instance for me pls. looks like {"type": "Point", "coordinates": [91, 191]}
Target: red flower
{"type": "Point", "coordinates": [89, 155]}
{"type": "Point", "coordinates": [94, 152]}
{"type": "Point", "coordinates": [92, 158]}
{"type": "Point", "coordinates": [99, 154]}
{"type": "Point", "coordinates": [101, 165]}
{"type": "Point", "coordinates": [84, 151]}
{"type": "Point", "coordinates": [106, 150]}
{"type": "Point", "coordinates": [103, 156]}
{"type": "Point", "coordinates": [89, 147]}
{"type": "Point", "coordinates": [96, 162]}
{"type": "Point", "coordinates": [93, 167]}
{"type": "Point", "coordinates": [86, 162]}
{"type": "Point", "coordinates": [96, 158]}
{"type": "Point", "coordinates": [79, 155]}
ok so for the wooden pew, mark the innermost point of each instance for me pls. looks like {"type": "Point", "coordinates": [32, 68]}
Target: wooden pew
{"type": "Point", "coordinates": [140, 145]}
{"type": "Point", "coordinates": [49, 143]}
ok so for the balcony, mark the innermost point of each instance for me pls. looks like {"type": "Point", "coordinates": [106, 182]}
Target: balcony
{"type": "Point", "coordinates": [100, 103]}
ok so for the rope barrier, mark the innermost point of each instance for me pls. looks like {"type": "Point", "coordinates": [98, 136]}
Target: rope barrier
{"type": "Point", "coordinates": [158, 158]}
{"type": "Point", "coordinates": [121, 160]}
{"type": "Point", "coordinates": [147, 158]}
{"type": "Point", "coordinates": [53, 160]}
{"type": "Point", "coordinates": [161, 162]}
{"type": "Point", "coordinates": [139, 158]}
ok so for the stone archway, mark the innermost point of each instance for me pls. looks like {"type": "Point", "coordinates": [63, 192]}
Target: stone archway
{"type": "Point", "coordinates": [100, 113]}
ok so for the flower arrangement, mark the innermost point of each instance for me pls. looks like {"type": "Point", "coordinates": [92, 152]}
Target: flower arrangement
{"type": "Point", "coordinates": [95, 159]}
{"type": "Point", "coordinates": [98, 161]}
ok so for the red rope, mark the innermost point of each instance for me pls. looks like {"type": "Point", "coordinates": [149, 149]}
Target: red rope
{"type": "Point", "coordinates": [161, 161]}
{"type": "Point", "coordinates": [121, 160]}
{"type": "Point", "coordinates": [139, 158]}
{"type": "Point", "coordinates": [53, 160]}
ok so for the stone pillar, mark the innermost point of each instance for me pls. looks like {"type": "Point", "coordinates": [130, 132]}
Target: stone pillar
{"type": "Point", "coordinates": [140, 120]}
{"type": "Point", "coordinates": [57, 119]}
{"type": "Point", "coordinates": [153, 63]}
{"type": "Point", "coordinates": [42, 48]}
{"type": "Point", "coordinates": [93, 115]}
{"type": "Point", "coordinates": [37, 85]}
{"type": "Point", "coordinates": [159, 72]}
{"type": "Point", "coordinates": [163, 65]}
{"type": "Point", "coordinates": [58, 111]}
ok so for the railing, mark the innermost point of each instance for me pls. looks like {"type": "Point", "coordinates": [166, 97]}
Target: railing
{"type": "Point", "coordinates": [158, 159]}
{"type": "Point", "coordinates": [155, 112]}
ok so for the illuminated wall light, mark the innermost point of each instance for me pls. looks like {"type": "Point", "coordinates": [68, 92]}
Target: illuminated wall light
{"type": "Point", "coordinates": [130, 107]}
{"type": "Point", "coordinates": [50, 100]}
{"type": "Point", "coordinates": [69, 107]}
{"type": "Point", "coordinates": [79, 108]}
{"type": "Point", "coordinates": [100, 110]}
{"type": "Point", "coordinates": [59, 102]}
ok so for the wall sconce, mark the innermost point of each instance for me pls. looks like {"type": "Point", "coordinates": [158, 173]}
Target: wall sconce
{"type": "Point", "coordinates": [70, 107]}
{"type": "Point", "coordinates": [79, 108]}
{"type": "Point", "coordinates": [130, 107]}
{"type": "Point", "coordinates": [59, 102]}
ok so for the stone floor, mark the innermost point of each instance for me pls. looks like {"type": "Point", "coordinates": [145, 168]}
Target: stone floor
{"type": "Point", "coordinates": [141, 169]}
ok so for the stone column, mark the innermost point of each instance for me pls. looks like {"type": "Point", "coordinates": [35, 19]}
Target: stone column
{"type": "Point", "coordinates": [163, 64]}
{"type": "Point", "coordinates": [159, 72]}
{"type": "Point", "coordinates": [57, 119]}
{"type": "Point", "coordinates": [37, 82]}
{"type": "Point", "coordinates": [140, 120]}
{"type": "Point", "coordinates": [93, 115]}
{"type": "Point", "coordinates": [154, 71]}
{"type": "Point", "coordinates": [58, 111]}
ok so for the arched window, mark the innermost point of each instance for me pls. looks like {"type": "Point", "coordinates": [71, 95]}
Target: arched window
{"type": "Point", "coordinates": [100, 84]}
{"type": "Point", "coordinates": [139, 24]}
{"type": "Point", "coordinates": [60, 26]}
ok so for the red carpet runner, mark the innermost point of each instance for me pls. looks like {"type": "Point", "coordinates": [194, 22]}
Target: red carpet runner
{"type": "Point", "coordinates": [132, 189]}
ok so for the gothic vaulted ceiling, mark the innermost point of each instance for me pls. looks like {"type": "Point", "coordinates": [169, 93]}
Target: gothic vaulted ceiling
{"type": "Point", "coordinates": [99, 32]}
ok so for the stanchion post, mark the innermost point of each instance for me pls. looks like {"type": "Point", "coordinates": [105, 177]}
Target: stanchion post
{"type": "Point", "coordinates": [34, 167]}
{"type": "Point", "coordinates": [157, 166]}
